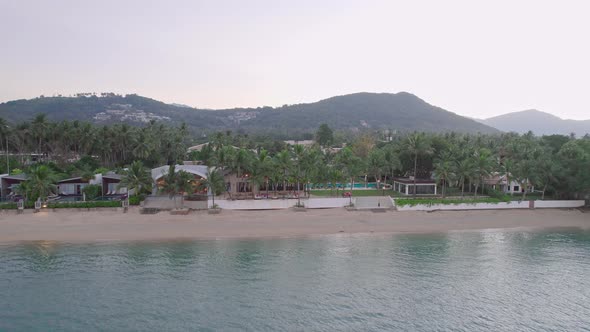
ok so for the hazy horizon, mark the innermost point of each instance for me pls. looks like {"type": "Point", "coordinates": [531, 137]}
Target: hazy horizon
{"type": "Point", "coordinates": [477, 60]}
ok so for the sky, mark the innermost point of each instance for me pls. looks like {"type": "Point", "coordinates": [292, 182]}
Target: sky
{"type": "Point", "coordinates": [474, 58]}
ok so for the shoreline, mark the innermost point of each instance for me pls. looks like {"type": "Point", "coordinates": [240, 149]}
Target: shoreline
{"type": "Point", "coordinates": [112, 226]}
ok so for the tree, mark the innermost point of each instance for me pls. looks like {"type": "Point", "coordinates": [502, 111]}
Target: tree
{"type": "Point", "coordinates": [92, 191]}
{"type": "Point", "coordinates": [547, 168]}
{"type": "Point", "coordinates": [176, 183]}
{"type": "Point", "coordinates": [4, 134]}
{"type": "Point", "coordinates": [241, 162]}
{"type": "Point", "coordinates": [443, 168]}
{"type": "Point", "coordinates": [463, 170]}
{"type": "Point", "coordinates": [136, 177]}
{"type": "Point", "coordinates": [351, 166]}
{"type": "Point", "coordinates": [40, 127]}
{"type": "Point", "coordinates": [416, 145]}
{"type": "Point", "coordinates": [214, 182]}
{"type": "Point", "coordinates": [284, 163]}
{"type": "Point", "coordinates": [392, 162]}
{"type": "Point", "coordinates": [483, 164]}
{"type": "Point", "coordinates": [324, 135]}
{"type": "Point", "coordinates": [40, 182]}
{"type": "Point", "coordinates": [377, 164]}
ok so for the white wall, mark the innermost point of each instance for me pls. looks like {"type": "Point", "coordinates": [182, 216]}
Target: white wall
{"type": "Point", "coordinates": [559, 204]}
{"type": "Point", "coordinates": [464, 206]}
{"type": "Point", "coordinates": [273, 204]}
{"type": "Point", "coordinates": [491, 206]}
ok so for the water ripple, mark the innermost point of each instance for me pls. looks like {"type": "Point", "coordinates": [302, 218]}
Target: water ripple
{"type": "Point", "coordinates": [465, 281]}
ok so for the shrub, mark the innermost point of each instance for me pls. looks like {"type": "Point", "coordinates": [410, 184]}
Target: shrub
{"type": "Point", "coordinates": [136, 199]}
{"type": "Point", "coordinates": [497, 194]}
{"type": "Point", "coordinates": [91, 204]}
{"type": "Point", "coordinates": [92, 191]}
{"type": "Point", "coordinates": [433, 201]}
{"type": "Point", "coordinates": [8, 206]}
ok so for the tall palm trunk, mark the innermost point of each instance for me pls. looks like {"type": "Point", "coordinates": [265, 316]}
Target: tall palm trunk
{"type": "Point", "coordinates": [462, 187]}
{"type": "Point", "coordinates": [415, 170]}
{"type": "Point", "coordinates": [351, 186]}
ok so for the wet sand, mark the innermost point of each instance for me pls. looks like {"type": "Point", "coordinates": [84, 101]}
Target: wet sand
{"type": "Point", "coordinates": [110, 225]}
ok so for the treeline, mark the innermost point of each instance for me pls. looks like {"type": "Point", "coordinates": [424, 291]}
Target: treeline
{"type": "Point", "coordinates": [112, 146]}
{"type": "Point", "coordinates": [460, 163]}
{"type": "Point", "coordinates": [557, 165]}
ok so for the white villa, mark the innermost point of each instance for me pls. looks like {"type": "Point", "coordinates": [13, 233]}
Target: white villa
{"type": "Point", "coordinates": [500, 182]}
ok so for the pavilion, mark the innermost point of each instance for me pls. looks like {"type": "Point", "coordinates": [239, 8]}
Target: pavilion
{"type": "Point", "coordinates": [422, 186]}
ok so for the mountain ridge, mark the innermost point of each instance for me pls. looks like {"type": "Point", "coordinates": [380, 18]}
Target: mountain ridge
{"type": "Point", "coordinates": [539, 122]}
{"type": "Point", "coordinates": [401, 111]}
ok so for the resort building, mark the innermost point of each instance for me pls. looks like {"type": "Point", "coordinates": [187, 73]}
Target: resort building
{"type": "Point", "coordinates": [306, 143]}
{"type": "Point", "coordinates": [74, 186]}
{"type": "Point", "coordinates": [500, 183]}
{"type": "Point", "coordinates": [407, 186]}
{"type": "Point", "coordinates": [8, 184]}
{"type": "Point", "coordinates": [110, 184]}
{"type": "Point", "coordinates": [159, 173]}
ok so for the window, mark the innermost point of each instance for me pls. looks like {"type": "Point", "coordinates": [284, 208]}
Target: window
{"type": "Point", "coordinates": [516, 188]}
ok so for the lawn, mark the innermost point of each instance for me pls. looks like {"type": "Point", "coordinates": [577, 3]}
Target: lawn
{"type": "Point", "coordinates": [355, 193]}
{"type": "Point", "coordinates": [433, 201]}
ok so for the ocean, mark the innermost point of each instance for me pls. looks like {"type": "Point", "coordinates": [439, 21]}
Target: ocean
{"type": "Point", "coordinates": [491, 280]}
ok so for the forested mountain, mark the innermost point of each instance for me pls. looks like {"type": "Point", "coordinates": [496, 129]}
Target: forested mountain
{"type": "Point", "coordinates": [540, 123]}
{"type": "Point", "coordinates": [403, 112]}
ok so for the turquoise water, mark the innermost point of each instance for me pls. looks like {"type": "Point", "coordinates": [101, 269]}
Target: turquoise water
{"type": "Point", "coordinates": [465, 281]}
{"type": "Point", "coordinates": [358, 185]}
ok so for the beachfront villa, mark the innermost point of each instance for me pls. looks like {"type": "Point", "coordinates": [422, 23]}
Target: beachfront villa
{"type": "Point", "coordinates": [73, 186]}
{"type": "Point", "coordinates": [158, 174]}
{"type": "Point", "coordinates": [500, 183]}
{"type": "Point", "coordinates": [407, 186]}
{"type": "Point", "coordinates": [110, 184]}
{"type": "Point", "coordinates": [8, 183]}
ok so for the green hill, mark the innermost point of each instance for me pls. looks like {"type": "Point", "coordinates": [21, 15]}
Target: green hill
{"type": "Point", "coordinates": [401, 111]}
{"type": "Point", "coordinates": [540, 123]}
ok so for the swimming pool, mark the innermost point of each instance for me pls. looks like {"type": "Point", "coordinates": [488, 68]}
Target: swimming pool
{"type": "Point", "coordinates": [357, 185]}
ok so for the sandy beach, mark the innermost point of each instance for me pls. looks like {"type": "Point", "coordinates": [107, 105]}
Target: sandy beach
{"type": "Point", "coordinates": [116, 226]}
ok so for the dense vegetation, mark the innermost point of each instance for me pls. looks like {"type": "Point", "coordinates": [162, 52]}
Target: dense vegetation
{"type": "Point", "coordinates": [47, 151]}
{"type": "Point", "coordinates": [460, 163]}
{"type": "Point", "coordinates": [116, 145]}
{"type": "Point", "coordinates": [401, 112]}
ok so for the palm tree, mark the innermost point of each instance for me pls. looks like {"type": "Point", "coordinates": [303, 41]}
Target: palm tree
{"type": "Point", "coordinates": [546, 169]}
{"type": "Point", "coordinates": [377, 164]}
{"type": "Point", "coordinates": [351, 166]}
{"type": "Point", "coordinates": [214, 182]}
{"type": "Point", "coordinates": [463, 170]}
{"type": "Point", "coordinates": [443, 168]}
{"type": "Point", "coordinates": [284, 163]}
{"type": "Point", "coordinates": [392, 162]}
{"type": "Point", "coordinates": [299, 151]}
{"type": "Point", "coordinates": [261, 169]}
{"type": "Point", "coordinates": [416, 145]}
{"type": "Point", "coordinates": [136, 177]}
{"type": "Point", "coordinates": [177, 183]}
{"type": "Point", "coordinates": [507, 167]}
{"type": "Point", "coordinates": [241, 162]}
{"type": "Point", "coordinates": [4, 132]}
{"type": "Point", "coordinates": [40, 182]}
{"type": "Point", "coordinates": [483, 166]}
{"type": "Point", "coordinates": [40, 126]}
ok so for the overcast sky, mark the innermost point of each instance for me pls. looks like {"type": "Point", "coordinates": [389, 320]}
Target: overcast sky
{"type": "Point", "coordinates": [471, 57]}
